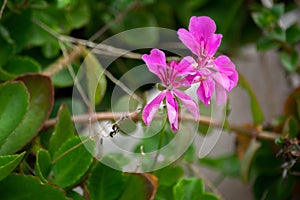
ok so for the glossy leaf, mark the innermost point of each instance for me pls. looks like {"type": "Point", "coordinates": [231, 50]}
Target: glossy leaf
{"type": "Point", "coordinates": [247, 160]}
{"type": "Point", "coordinates": [75, 196]}
{"type": "Point", "coordinates": [21, 65]}
{"type": "Point", "coordinates": [14, 101]}
{"type": "Point", "coordinates": [23, 19]}
{"type": "Point", "coordinates": [17, 186]}
{"type": "Point", "coordinates": [143, 185]}
{"type": "Point", "coordinates": [7, 46]}
{"type": "Point", "coordinates": [18, 66]}
{"type": "Point", "coordinates": [64, 129]}
{"type": "Point", "coordinates": [192, 189]}
{"type": "Point", "coordinates": [96, 81]}
{"type": "Point", "coordinates": [72, 160]}
{"type": "Point", "coordinates": [9, 163]}
{"type": "Point", "coordinates": [40, 104]}
{"type": "Point", "coordinates": [257, 113]}
{"type": "Point", "coordinates": [105, 183]}
{"type": "Point", "coordinates": [43, 164]}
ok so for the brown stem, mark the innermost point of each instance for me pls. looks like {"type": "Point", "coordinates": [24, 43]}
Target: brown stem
{"type": "Point", "coordinates": [63, 62]}
{"type": "Point", "coordinates": [86, 118]}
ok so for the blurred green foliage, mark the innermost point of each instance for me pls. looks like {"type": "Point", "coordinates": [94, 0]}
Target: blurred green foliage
{"type": "Point", "coordinates": [43, 168]}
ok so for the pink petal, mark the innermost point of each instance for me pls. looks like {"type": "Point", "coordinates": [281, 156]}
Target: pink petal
{"type": "Point", "coordinates": [151, 108]}
{"type": "Point", "coordinates": [188, 102]}
{"type": "Point", "coordinates": [202, 27]}
{"type": "Point", "coordinates": [186, 66]}
{"type": "Point", "coordinates": [213, 44]}
{"type": "Point", "coordinates": [221, 95]}
{"type": "Point", "coordinates": [156, 61]}
{"type": "Point", "coordinates": [222, 79]}
{"type": "Point", "coordinates": [205, 91]}
{"type": "Point", "coordinates": [227, 68]}
{"type": "Point", "coordinates": [172, 109]}
{"type": "Point", "coordinates": [189, 41]}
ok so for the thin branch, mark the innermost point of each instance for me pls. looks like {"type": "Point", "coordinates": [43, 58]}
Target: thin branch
{"type": "Point", "coordinates": [73, 75]}
{"type": "Point", "coordinates": [2, 8]}
{"type": "Point", "coordinates": [123, 86]}
{"type": "Point", "coordinates": [112, 51]}
{"type": "Point", "coordinates": [102, 49]}
{"type": "Point", "coordinates": [85, 118]}
{"type": "Point", "coordinates": [63, 62]}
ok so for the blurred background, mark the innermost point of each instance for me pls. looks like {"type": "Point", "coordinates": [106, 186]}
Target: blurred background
{"type": "Point", "coordinates": [261, 37]}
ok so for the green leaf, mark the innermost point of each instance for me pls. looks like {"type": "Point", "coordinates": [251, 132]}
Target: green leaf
{"type": "Point", "coordinates": [143, 185]}
{"type": "Point", "coordinates": [74, 195]}
{"type": "Point", "coordinates": [188, 188]}
{"type": "Point", "coordinates": [289, 61]}
{"type": "Point", "coordinates": [19, 26]}
{"type": "Point", "coordinates": [277, 10]}
{"type": "Point", "coordinates": [291, 127]}
{"type": "Point", "coordinates": [63, 78]}
{"type": "Point", "coordinates": [257, 113]}
{"type": "Point", "coordinates": [278, 34]}
{"type": "Point", "coordinates": [267, 18]}
{"type": "Point", "coordinates": [115, 160]}
{"type": "Point", "coordinates": [267, 43]}
{"type": "Point", "coordinates": [228, 165]}
{"type": "Point", "coordinates": [51, 48]}
{"type": "Point", "coordinates": [7, 46]}
{"type": "Point", "coordinates": [293, 34]}
{"type": "Point", "coordinates": [192, 189]}
{"type": "Point", "coordinates": [40, 104]}
{"type": "Point", "coordinates": [96, 81]}
{"type": "Point", "coordinates": [43, 164]}
{"type": "Point", "coordinates": [168, 176]}
{"type": "Point", "coordinates": [14, 100]}
{"type": "Point", "coordinates": [247, 159]}
{"type": "Point", "coordinates": [9, 163]}
{"type": "Point", "coordinates": [72, 160]}
{"type": "Point", "coordinates": [64, 3]}
{"type": "Point", "coordinates": [69, 102]}
{"type": "Point", "coordinates": [21, 65]}
{"type": "Point", "coordinates": [17, 186]}
{"type": "Point", "coordinates": [64, 129]}
{"type": "Point", "coordinates": [259, 19]}
{"type": "Point", "coordinates": [273, 187]}
{"type": "Point", "coordinates": [208, 196]}
{"type": "Point", "coordinates": [79, 15]}
{"type": "Point", "coordinates": [105, 183]}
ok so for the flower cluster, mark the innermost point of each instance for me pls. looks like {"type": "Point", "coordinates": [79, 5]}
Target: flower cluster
{"type": "Point", "coordinates": [215, 74]}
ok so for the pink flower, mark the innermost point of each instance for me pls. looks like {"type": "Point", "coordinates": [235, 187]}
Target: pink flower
{"type": "Point", "coordinates": [172, 77]}
{"type": "Point", "coordinates": [213, 73]}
